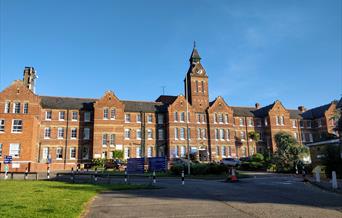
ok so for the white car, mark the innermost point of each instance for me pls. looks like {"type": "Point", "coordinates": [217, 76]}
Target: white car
{"type": "Point", "coordinates": [230, 162]}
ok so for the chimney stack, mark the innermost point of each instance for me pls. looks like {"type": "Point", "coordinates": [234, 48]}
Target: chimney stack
{"type": "Point", "coordinates": [257, 105]}
{"type": "Point", "coordinates": [301, 108]}
{"type": "Point", "coordinates": [29, 78]}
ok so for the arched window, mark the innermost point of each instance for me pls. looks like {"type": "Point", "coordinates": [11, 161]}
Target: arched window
{"type": "Point", "coordinates": [202, 86]}
{"type": "Point", "coordinates": [196, 86]}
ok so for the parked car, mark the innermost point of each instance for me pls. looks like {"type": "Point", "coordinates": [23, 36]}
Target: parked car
{"type": "Point", "coordinates": [230, 162]}
{"type": "Point", "coordinates": [244, 159]}
{"type": "Point", "coordinates": [113, 164]}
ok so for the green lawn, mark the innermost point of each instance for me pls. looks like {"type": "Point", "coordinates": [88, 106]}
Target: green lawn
{"type": "Point", "coordinates": [48, 198]}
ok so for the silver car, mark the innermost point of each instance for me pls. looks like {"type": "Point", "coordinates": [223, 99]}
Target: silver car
{"type": "Point", "coordinates": [230, 162]}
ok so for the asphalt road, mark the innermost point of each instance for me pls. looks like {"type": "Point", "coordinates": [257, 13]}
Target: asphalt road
{"type": "Point", "coordinates": [272, 196]}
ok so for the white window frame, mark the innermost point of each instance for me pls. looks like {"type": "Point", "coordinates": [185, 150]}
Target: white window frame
{"type": "Point", "coordinates": [18, 127]}
{"type": "Point", "coordinates": [86, 133]}
{"type": "Point", "coordinates": [60, 115]}
{"type": "Point", "coordinates": [127, 118]}
{"type": "Point", "coordinates": [127, 134]}
{"type": "Point", "coordinates": [226, 118]}
{"type": "Point", "coordinates": [182, 117]}
{"type": "Point", "coordinates": [242, 135]}
{"type": "Point", "coordinates": [161, 134]}
{"type": "Point", "coordinates": [71, 151]}
{"type": "Point", "coordinates": [149, 134]}
{"type": "Point", "coordinates": [160, 118]}
{"type": "Point", "coordinates": [105, 113]}
{"type": "Point", "coordinates": [47, 133]}
{"type": "Point", "coordinates": [104, 139]}
{"type": "Point", "coordinates": [73, 117]}
{"type": "Point", "coordinates": [138, 117]}
{"type": "Point", "coordinates": [182, 133]}
{"type": "Point", "coordinates": [138, 134]}
{"type": "Point", "coordinates": [7, 109]}
{"type": "Point", "coordinates": [176, 133]}
{"type": "Point", "coordinates": [2, 125]}
{"type": "Point", "coordinates": [113, 113]}
{"type": "Point", "coordinates": [48, 113]}
{"type": "Point", "coordinates": [149, 118]}
{"type": "Point", "coordinates": [73, 131]}
{"type": "Point", "coordinates": [294, 124]}
{"type": "Point", "coordinates": [175, 116]}
{"type": "Point", "coordinates": [112, 139]}
{"type": "Point", "coordinates": [241, 122]}
{"type": "Point", "coordinates": [87, 116]}
{"type": "Point", "coordinates": [138, 152]}
{"type": "Point", "coordinates": [149, 151]}
{"type": "Point", "coordinates": [59, 150]}
{"type": "Point", "coordinates": [16, 107]}
{"type": "Point", "coordinates": [25, 107]}
{"type": "Point", "coordinates": [45, 154]}
{"type": "Point", "coordinates": [227, 135]}
{"type": "Point", "coordinates": [15, 153]}
{"type": "Point", "coordinates": [59, 131]}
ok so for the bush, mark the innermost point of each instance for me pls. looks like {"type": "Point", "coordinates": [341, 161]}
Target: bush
{"type": "Point", "coordinates": [98, 162]}
{"type": "Point", "coordinates": [257, 157]}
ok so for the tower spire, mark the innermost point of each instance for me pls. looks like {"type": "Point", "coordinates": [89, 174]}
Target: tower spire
{"type": "Point", "coordinates": [194, 58]}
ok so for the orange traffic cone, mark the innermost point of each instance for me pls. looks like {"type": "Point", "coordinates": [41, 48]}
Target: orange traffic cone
{"type": "Point", "coordinates": [233, 177]}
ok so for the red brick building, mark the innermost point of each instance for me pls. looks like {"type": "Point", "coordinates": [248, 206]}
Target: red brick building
{"type": "Point", "coordinates": [69, 131]}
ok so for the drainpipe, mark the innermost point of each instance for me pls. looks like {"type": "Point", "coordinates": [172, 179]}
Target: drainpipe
{"type": "Point", "coordinates": [66, 138]}
{"type": "Point", "coordinates": [247, 137]}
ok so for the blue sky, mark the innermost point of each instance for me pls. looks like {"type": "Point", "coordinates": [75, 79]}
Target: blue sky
{"type": "Point", "coordinates": [252, 50]}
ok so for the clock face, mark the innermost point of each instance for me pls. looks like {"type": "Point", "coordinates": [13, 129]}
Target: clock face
{"type": "Point", "coordinates": [200, 72]}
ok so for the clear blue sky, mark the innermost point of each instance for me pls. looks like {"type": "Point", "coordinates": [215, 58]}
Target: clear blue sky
{"type": "Point", "coordinates": [253, 51]}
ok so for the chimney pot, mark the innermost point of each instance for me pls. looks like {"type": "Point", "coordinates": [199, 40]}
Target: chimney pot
{"type": "Point", "coordinates": [301, 108]}
{"type": "Point", "coordinates": [257, 105]}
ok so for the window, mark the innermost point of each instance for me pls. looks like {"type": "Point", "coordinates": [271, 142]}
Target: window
{"type": "Point", "coordinates": [47, 133]}
{"type": "Point", "coordinates": [74, 116]}
{"type": "Point", "coordinates": [112, 114]}
{"type": "Point", "coordinates": [59, 153]}
{"type": "Point", "coordinates": [277, 121]}
{"type": "Point", "coordinates": [217, 150]}
{"type": "Point", "coordinates": [294, 124]}
{"type": "Point", "coordinates": [25, 108]}
{"type": "Point", "coordinates": [112, 139]}
{"type": "Point", "coordinates": [138, 118]}
{"type": "Point", "coordinates": [250, 122]}
{"type": "Point", "coordinates": [196, 86]}
{"type": "Point", "coordinates": [0, 150]}
{"type": "Point", "coordinates": [86, 116]}
{"type": "Point", "coordinates": [149, 151]}
{"type": "Point", "coordinates": [176, 133]}
{"type": "Point", "coordinates": [149, 118]}
{"type": "Point", "coordinates": [149, 134]}
{"type": "Point", "coordinates": [182, 117]}
{"type": "Point", "coordinates": [182, 151]}
{"type": "Point", "coordinates": [198, 118]}
{"type": "Point", "coordinates": [16, 108]}
{"type": "Point", "coordinates": [198, 133]}
{"type": "Point", "coordinates": [202, 86]}
{"type": "Point", "coordinates": [160, 118]}
{"type": "Point", "coordinates": [175, 152]}
{"type": "Point", "coordinates": [138, 134]}
{"type": "Point", "coordinates": [86, 133]}
{"type": "Point", "coordinates": [265, 122]}
{"type": "Point", "coordinates": [127, 133]}
{"type": "Point", "coordinates": [127, 118]}
{"type": "Point", "coordinates": [61, 115]}
{"type": "Point", "coordinates": [182, 133]}
{"type": "Point", "coordinates": [308, 123]}
{"type": "Point", "coordinates": [73, 133]}
{"type": "Point", "coordinates": [48, 115]}
{"type": "Point", "coordinates": [216, 134]}
{"type": "Point", "coordinates": [161, 134]}
{"type": "Point", "coordinates": [319, 123]}
{"type": "Point", "coordinates": [72, 153]}
{"type": "Point", "coordinates": [60, 133]}
{"type": "Point", "coordinates": [220, 118]}
{"type": "Point", "coordinates": [203, 118]}
{"type": "Point", "coordinates": [127, 153]}
{"type": "Point", "coordinates": [17, 126]}
{"type": "Point", "coordinates": [258, 121]}
{"type": "Point", "coordinates": [188, 117]}
{"type": "Point", "coordinates": [303, 136]}
{"type": "Point", "coordinates": [301, 124]}
{"type": "Point", "coordinates": [104, 139]}
{"type": "Point", "coordinates": [226, 118]}
{"type": "Point", "coordinates": [105, 113]}
{"type": "Point", "coordinates": [295, 135]}
{"type": "Point", "coordinates": [243, 135]}
{"type": "Point", "coordinates": [204, 133]}
{"type": "Point", "coordinates": [221, 134]}
{"type": "Point", "coordinates": [228, 134]}
{"type": "Point", "coordinates": [189, 133]}
{"type": "Point", "coordinates": [138, 152]}
{"type": "Point", "coordinates": [85, 152]}
{"type": "Point", "coordinates": [2, 125]}
{"type": "Point", "coordinates": [241, 121]}
{"type": "Point", "coordinates": [104, 155]}
{"type": "Point", "coordinates": [7, 107]}
{"type": "Point", "coordinates": [45, 153]}
{"type": "Point", "coordinates": [310, 137]}
{"type": "Point", "coordinates": [244, 151]}
{"type": "Point", "coordinates": [14, 150]}
{"type": "Point", "coordinates": [223, 151]}
{"type": "Point", "coordinates": [215, 118]}
{"type": "Point", "coordinates": [175, 116]}
{"type": "Point", "coordinates": [281, 120]}
{"type": "Point", "coordinates": [229, 151]}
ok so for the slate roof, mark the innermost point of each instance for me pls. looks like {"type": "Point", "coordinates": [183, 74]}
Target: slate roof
{"type": "Point", "coordinates": [316, 112]}
{"type": "Point", "coordinates": [195, 54]}
{"type": "Point", "coordinates": [166, 99]}
{"type": "Point", "coordinates": [243, 111]}
{"type": "Point", "coordinates": [339, 104]}
{"type": "Point", "coordinates": [295, 114]}
{"type": "Point", "coordinates": [66, 102]}
{"type": "Point", "coordinates": [87, 104]}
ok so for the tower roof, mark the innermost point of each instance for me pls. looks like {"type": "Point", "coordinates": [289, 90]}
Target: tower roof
{"type": "Point", "coordinates": [195, 57]}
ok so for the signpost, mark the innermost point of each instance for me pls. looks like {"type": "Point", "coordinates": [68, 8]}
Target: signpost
{"type": "Point", "coordinates": [135, 165]}
{"type": "Point", "coordinates": [8, 160]}
{"type": "Point", "coordinates": [157, 164]}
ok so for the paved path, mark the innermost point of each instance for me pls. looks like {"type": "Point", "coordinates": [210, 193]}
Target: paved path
{"type": "Point", "coordinates": [252, 197]}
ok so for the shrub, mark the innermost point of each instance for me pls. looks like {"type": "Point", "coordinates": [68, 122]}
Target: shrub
{"type": "Point", "coordinates": [257, 157]}
{"type": "Point", "coordinates": [98, 162]}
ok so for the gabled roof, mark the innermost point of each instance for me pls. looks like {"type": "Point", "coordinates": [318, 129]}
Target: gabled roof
{"type": "Point", "coordinates": [243, 111]}
{"type": "Point", "coordinates": [53, 102]}
{"type": "Point", "coordinates": [144, 106]}
{"type": "Point", "coordinates": [167, 99]}
{"type": "Point", "coordinates": [263, 112]}
{"type": "Point", "coordinates": [316, 112]}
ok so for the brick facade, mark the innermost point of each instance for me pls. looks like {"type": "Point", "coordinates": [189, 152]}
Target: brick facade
{"type": "Point", "coordinates": [71, 131]}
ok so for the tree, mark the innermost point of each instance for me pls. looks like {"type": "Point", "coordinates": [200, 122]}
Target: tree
{"type": "Point", "coordinates": [289, 152]}
{"type": "Point", "coordinates": [118, 154]}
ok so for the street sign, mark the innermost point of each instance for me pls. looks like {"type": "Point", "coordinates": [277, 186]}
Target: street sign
{"type": "Point", "coordinates": [157, 164]}
{"type": "Point", "coordinates": [8, 160]}
{"type": "Point", "coordinates": [135, 165]}
{"type": "Point", "coordinates": [15, 165]}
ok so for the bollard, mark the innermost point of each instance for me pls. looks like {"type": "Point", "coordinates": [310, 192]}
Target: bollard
{"type": "Point", "coordinates": [48, 171]}
{"type": "Point", "coordinates": [182, 177]}
{"type": "Point", "coordinates": [125, 175]}
{"type": "Point", "coordinates": [26, 172]}
{"type": "Point", "coordinates": [154, 177]}
{"type": "Point", "coordinates": [72, 174]}
{"type": "Point", "coordinates": [6, 175]}
{"type": "Point", "coordinates": [233, 178]}
{"type": "Point", "coordinates": [334, 180]}
{"type": "Point", "coordinates": [296, 169]}
{"type": "Point", "coordinates": [76, 169]}
{"type": "Point", "coordinates": [318, 179]}
{"type": "Point", "coordinates": [95, 176]}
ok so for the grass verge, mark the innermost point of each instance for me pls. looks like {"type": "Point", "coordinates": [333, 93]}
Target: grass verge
{"type": "Point", "coordinates": [48, 198]}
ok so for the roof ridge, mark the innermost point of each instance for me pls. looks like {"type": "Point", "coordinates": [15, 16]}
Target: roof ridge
{"type": "Point", "coordinates": [67, 97]}
{"type": "Point", "coordinates": [142, 101]}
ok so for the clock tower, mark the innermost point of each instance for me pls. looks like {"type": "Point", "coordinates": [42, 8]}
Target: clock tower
{"type": "Point", "coordinates": [196, 83]}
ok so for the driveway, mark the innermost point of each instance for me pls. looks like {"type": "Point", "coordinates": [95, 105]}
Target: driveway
{"type": "Point", "coordinates": [274, 196]}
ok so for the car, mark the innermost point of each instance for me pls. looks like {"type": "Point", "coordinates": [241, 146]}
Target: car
{"type": "Point", "coordinates": [230, 162]}
{"type": "Point", "coordinates": [113, 164]}
{"type": "Point", "coordinates": [244, 159]}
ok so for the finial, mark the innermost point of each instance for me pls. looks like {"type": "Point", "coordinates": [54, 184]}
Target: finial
{"type": "Point", "coordinates": [194, 44]}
